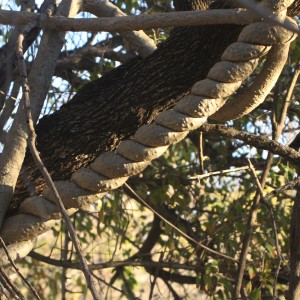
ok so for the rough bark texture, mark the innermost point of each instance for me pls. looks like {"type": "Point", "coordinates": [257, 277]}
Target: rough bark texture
{"type": "Point", "coordinates": [110, 109]}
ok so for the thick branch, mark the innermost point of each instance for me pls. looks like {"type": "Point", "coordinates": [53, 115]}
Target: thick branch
{"type": "Point", "coordinates": [138, 40]}
{"type": "Point", "coordinates": [127, 23]}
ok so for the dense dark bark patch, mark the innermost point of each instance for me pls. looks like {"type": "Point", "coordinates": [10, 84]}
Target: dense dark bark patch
{"type": "Point", "coordinates": [110, 109]}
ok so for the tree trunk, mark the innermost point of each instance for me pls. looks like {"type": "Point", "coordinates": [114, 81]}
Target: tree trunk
{"type": "Point", "coordinates": [110, 109]}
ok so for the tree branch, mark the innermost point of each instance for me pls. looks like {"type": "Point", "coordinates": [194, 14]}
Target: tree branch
{"type": "Point", "coordinates": [259, 142]}
{"type": "Point", "coordinates": [126, 23]}
{"type": "Point", "coordinates": [138, 40]}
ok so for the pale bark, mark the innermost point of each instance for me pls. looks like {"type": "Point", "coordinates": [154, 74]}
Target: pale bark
{"type": "Point", "coordinates": [39, 80]}
{"type": "Point", "coordinates": [137, 40]}
{"type": "Point", "coordinates": [141, 22]}
{"type": "Point", "coordinates": [16, 251]}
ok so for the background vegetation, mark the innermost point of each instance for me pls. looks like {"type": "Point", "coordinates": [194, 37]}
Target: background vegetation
{"type": "Point", "coordinates": [140, 253]}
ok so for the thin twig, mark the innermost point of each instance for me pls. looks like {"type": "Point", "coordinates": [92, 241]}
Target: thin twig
{"type": "Point", "coordinates": [294, 184]}
{"type": "Point", "coordinates": [10, 96]}
{"type": "Point", "coordinates": [279, 125]}
{"type": "Point", "coordinates": [8, 288]}
{"type": "Point", "coordinates": [259, 142]}
{"type": "Point", "coordinates": [201, 176]}
{"type": "Point", "coordinates": [278, 250]}
{"type": "Point", "coordinates": [153, 282]}
{"type": "Point", "coordinates": [248, 236]}
{"type": "Point", "coordinates": [287, 103]}
{"type": "Point", "coordinates": [201, 157]}
{"type": "Point", "coordinates": [176, 228]}
{"type": "Point", "coordinates": [253, 171]}
{"type": "Point", "coordinates": [64, 256]}
{"type": "Point", "coordinates": [6, 112]}
{"type": "Point", "coordinates": [31, 288]}
{"type": "Point", "coordinates": [11, 284]}
{"type": "Point", "coordinates": [274, 225]}
{"type": "Point", "coordinates": [257, 199]}
{"type": "Point", "coordinates": [42, 168]}
{"type": "Point", "coordinates": [126, 286]}
{"type": "Point", "coordinates": [2, 290]}
{"type": "Point", "coordinates": [115, 264]}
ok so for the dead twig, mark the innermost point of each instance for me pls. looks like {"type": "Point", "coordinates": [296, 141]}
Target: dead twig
{"type": "Point", "coordinates": [31, 288]}
{"type": "Point", "coordinates": [201, 157]}
{"type": "Point", "coordinates": [278, 125]}
{"type": "Point", "coordinates": [221, 172]}
{"type": "Point", "coordinates": [176, 228]}
{"type": "Point", "coordinates": [31, 143]}
{"type": "Point", "coordinates": [294, 184]}
{"type": "Point", "coordinates": [274, 225]}
{"type": "Point", "coordinates": [11, 286]}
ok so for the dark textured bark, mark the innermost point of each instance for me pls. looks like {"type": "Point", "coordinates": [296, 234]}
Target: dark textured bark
{"type": "Point", "coordinates": [113, 107]}
{"type": "Point", "coordinates": [110, 109]}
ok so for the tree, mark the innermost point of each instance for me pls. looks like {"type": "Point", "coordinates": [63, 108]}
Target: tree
{"type": "Point", "coordinates": [110, 109]}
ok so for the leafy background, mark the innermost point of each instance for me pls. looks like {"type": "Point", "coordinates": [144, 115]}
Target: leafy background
{"type": "Point", "coordinates": [212, 210]}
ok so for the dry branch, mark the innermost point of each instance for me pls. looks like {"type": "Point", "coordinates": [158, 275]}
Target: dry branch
{"type": "Point", "coordinates": [259, 142]}
{"type": "Point", "coordinates": [138, 40]}
{"type": "Point", "coordinates": [127, 23]}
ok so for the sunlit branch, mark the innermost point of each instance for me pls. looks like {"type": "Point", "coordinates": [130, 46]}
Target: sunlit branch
{"type": "Point", "coordinates": [125, 23]}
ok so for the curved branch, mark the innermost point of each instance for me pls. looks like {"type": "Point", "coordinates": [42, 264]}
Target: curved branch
{"type": "Point", "coordinates": [138, 40]}
{"type": "Point", "coordinates": [259, 142]}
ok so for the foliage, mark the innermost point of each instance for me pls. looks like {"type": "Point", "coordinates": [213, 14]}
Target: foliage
{"type": "Point", "coordinates": [213, 211]}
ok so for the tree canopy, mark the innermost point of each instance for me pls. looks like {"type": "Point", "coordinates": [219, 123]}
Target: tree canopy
{"type": "Point", "coordinates": [216, 215]}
